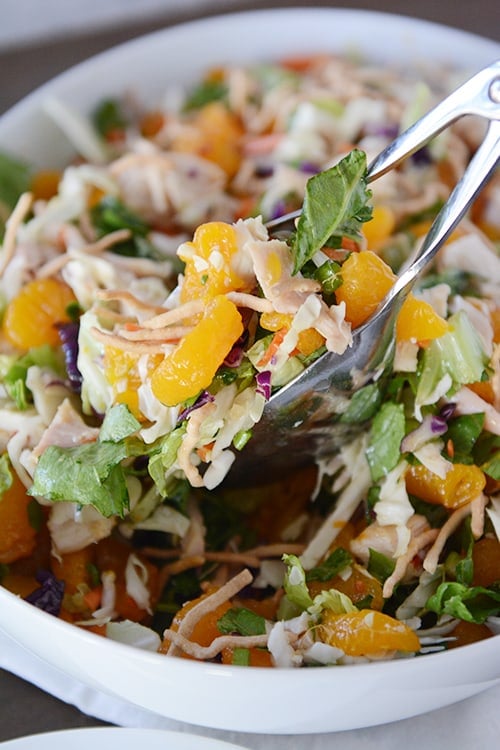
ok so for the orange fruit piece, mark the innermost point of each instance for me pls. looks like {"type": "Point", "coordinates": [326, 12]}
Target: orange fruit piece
{"type": "Point", "coordinates": [192, 365]}
{"type": "Point", "coordinates": [366, 279]}
{"type": "Point", "coordinates": [462, 484]}
{"type": "Point", "coordinates": [209, 262]}
{"type": "Point", "coordinates": [45, 184]}
{"type": "Point", "coordinates": [468, 632]}
{"type": "Point", "coordinates": [73, 568]}
{"type": "Point", "coordinates": [257, 657]}
{"type": "Point", "coordinates": [417, 321]}
{"type": "Point", "coordinates": [380, 227]}
{"type": "Point", "coordinates": [205, 630]}
{"type": "Point", "coordinates": [215, 135]}
{"type": "Point", "coordinates": [486, 559]}
{"type": "Point", "coordinates": [495, 322]}
{"type": "Point", "coordinates": [30, 318]}
{"type": "Point", "coordinates": [367, 633]}
{"type": "Point", "coordinates": [17, 535]}
{"type": "Point", "coordinates": [121, 370]}
{"type": "Point", "coordinates": [359, 585]}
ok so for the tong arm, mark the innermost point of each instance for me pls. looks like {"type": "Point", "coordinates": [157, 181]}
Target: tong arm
{"type": "Point", "coordinates": [480, 95]}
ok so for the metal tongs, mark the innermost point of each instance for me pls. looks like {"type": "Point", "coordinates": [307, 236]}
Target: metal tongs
{"type": "Point", "coordinates": [303, 420]}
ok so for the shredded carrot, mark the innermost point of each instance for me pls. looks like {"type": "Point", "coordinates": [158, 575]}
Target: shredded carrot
{"type": "Point", "coordinates": [273, 347]}
{"type": "Point", "coordinates": [245, 207]}
{"type": "Point", "coordinates": [93, 598]}
{"type": "Point", "coordinates": [351, 245]}
{"type": "Point", "coordinates": [204, 451]}
{"type": "Point", "coordinates": [301, 63]}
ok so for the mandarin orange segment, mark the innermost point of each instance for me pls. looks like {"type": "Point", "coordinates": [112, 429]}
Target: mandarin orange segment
{"type": "Point", "coordinates": [274, 321]}
{"type": "Point", "coordinates": [309, 341]}
{"type": "Point", "coordinates": [366, 279]}
{"type": "Point", "coordinates": [121, 369]}
{"type": "Point", "coordinates": [17, 535]}
{"type": "Point", "coordinates": [462, 484]}
{"type": "Point", "coordinates": [205, 629]}
{"type": "Point", "coordinates": [45, 184]}
{"type": "Point", "coordinates": [30, 318]}
{"type": "Point", "coordinates": [193, 364]}
{"type": "Point", "coordinates": [417, 321]}
{"type": "Point", "coordinates": [152, 123]}
{"type": "Point", "coordinates": [215, 135]}
{"type": "Point", "coordinates": [495, 322]}
{"type": "Point", "coordinates": [468, 632]}
{"type": "Point", "coordinates": [20, 584]}
{"type": "Point", "coordinates": [380, 227]}
{"type": "Point", "coordinates": [73, 568]}
{"type": "Point", "coordinates": [486, 559]}
{"type": "Point", "coordinates": [367, 633]}
{"type": "Point", "coordinates": [209, 262]}
{"type": "Point", "coordinates": [357, 586]}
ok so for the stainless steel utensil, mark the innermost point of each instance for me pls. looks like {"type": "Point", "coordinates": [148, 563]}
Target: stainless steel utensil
{"type": "Point", "coordinates": [303, 420]}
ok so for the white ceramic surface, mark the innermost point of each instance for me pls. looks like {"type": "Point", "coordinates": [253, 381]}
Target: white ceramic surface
{"type": "Point", "coordinates": [125, 739]}
{"type": "Point", "coordinates": [251, 700]}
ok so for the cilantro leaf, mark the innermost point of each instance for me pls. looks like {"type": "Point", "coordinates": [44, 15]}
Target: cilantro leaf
{"type": "Point", "coordinates": [379, 565]}
{"type": "Point", "coordinates": [335, 205]}
{"type": "Point", "coordinates": [205, 93]}
{"type": "Point", "coordinates": [241, 620]}
{"type": "Point", "coordinates": [472, 604]}
{"type": "Point", "coordinates": [334, 563]}
{"type": "Point", "coordinates": [109, 116]}
{"type": "Point", "coordinates": [109, 215]}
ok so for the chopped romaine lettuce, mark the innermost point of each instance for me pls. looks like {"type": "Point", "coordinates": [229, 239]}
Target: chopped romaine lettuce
{"type": "Point", "coordinates": [456, 358]}
{"type": "Point", "coordinates": [89, 474]}
{"type": "Point", "coordinates": [387, 432]}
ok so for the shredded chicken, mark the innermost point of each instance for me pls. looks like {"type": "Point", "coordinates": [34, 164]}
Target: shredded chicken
{"type": "Point", "coordinates": [66, 430]}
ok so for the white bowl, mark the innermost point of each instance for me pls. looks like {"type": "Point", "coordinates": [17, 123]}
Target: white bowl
{"type": "Point", "coordinates": [224, 697]}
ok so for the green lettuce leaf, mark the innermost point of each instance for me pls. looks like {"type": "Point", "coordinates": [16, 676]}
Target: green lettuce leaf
{"type": "Point", "coordinates": [335, 206]}
{"type": "Point", "coordinates": [457, 354]}
{"type": "Point", "coordinates": [295, 584]}
{"type": "Point", "coordinates": [15, 378]}
{"type": "Point", "coordinates": [5, 474]}
{"type": "Point", "coordinates": [241, 620]}
{"type": "Point", "coordinates": [90, 474]}
{"type": "Point", "coordinates": [388, 430]}
{"type": "Point", "coordinates": [363, 405]}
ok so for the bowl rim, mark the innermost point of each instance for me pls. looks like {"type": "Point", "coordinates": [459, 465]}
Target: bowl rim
{"type": "Point", "coordinates": [27, 107]}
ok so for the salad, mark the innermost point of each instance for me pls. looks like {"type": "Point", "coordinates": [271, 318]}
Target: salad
{"type": "Point", "coordinates": [148, 314]}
